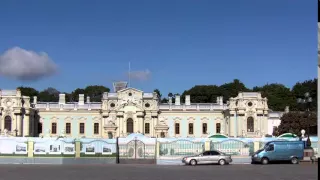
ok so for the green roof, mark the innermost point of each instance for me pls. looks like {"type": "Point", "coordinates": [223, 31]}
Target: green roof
{"type": "Point", "coordinates": [218, 136]}
{"type": "Point", "coordinates": [287, 135]}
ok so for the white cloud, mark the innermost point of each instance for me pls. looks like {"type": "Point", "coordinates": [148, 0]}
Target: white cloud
{"type": "Point", "coordinates": [140, 75]}
{"type": "Point", "coordinates": [21, 64]}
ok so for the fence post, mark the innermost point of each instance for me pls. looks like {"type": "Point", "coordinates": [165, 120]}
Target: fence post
{"type": "Point", "coordinates": [78, 148]}
{"type": "Point", "coordinates": [207, 146]}
{"type": "Point", "coordinates": [157, 149]}
{"type": "Point", "coordinates": [256, 146]}
{"type": "Point", "coordinates": [118, 153]}
{"type": "Point", "coordinates": [30, 148]}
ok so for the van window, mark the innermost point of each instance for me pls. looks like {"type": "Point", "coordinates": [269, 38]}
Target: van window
{"type": "Point", "coordinates": [270, 147]}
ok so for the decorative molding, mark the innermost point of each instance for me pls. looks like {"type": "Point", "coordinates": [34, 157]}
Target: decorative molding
{"type": "Point", "coordinates": [191, 119]}
{"type": "Point", "coordinates": [96, 119]}
{"type": "Point", "coordinates": [82, 119]}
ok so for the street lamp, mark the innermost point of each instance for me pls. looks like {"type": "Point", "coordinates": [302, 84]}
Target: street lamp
{"type": "Point", "coordinates": [306, 101]}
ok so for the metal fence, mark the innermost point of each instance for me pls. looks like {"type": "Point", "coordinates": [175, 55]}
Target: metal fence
{"type": "Point", "coordinates": [233, 147]}
{"type": "Point", "coordinates": [180, 147]}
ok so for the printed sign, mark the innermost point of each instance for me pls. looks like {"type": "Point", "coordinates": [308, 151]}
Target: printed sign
{"type": "Point", "coordinates": [69, 149]}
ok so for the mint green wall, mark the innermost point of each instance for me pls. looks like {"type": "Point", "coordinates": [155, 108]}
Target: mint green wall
{"type": "Point", "coordinates": [75, 127]}
{"type": "Point", "coordinates": [197, 125]}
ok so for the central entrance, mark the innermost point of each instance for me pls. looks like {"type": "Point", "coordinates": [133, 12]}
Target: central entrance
{"type": "Point", "coordinates": [137, 150]}
{"type": "Point", "coordinates": [129, 125]}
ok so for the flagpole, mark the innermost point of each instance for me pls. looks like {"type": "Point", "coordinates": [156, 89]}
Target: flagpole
{"type": "Point", "coordinates": [129, 74]}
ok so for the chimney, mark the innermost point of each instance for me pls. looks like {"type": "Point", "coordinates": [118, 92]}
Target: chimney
{"type": "Point", "coordinates": [35, 100]}
{"type": "Point", "coordinates": [62, 98]}
{"type": "Point", "coordinates": [188, 103]}
{"type": "Point", "coordinates": [170, 100]}
{"type": "Point", "coordinates": [221, 100]}
{"type": "Point", "coordinates": [177, 100]}
{"type": "Point", "coordinates": [88, 99]}
{"type": "Point", "coordinates": [81, 99]}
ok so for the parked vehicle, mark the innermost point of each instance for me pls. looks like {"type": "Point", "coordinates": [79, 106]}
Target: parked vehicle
{"type": "Point", "coordinates": [279, 151]}
{"type": "Point", "coordinates": [208, 157]}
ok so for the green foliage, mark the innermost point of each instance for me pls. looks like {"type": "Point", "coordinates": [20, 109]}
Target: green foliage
{"type": "Point", "coordinates": [158, 93]}
{"type": "Point", "coordinates": [95, 92]}
{"type": "Point", "coordinates": [278, 96]}
{"type": "Point", "coordinates": [49, 95]}
{"type": "Point", "coordinates": [294, 122]}
{"type": "Point", "coordinates": [28, 91]}
{"type": "Point", "coordinates": [300, 88]}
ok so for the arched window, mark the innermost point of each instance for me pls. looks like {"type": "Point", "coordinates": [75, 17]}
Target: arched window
{"type": "Point", "coordinates": [129, 125]}
{"type": "Point", "coordinates": [250, 124]}
{"type": "Point", "coordinates": [177, 128]}
{"type": "Point", "coordinates": [218, 128]}
{"type": "Point", "coordinates": [7, 123]}
{"type": "Point", "coordinates": [110, 136]}
{"type": "Point", "coordinates": [190, 128]}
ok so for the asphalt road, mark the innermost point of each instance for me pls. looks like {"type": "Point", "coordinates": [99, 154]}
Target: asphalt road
{"type": "Point", "coordinates": [156, 172]}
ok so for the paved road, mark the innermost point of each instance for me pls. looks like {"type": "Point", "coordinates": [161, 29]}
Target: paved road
{"type": "Point", "coordinates": [156, 172]}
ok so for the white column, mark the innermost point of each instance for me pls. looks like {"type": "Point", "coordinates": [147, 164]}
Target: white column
{"type": "Point", "coordinates": [235, 124]}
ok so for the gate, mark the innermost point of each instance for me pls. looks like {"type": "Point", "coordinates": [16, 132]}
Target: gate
{"type": "Point", "coordinates": [233, 147]}
{"type": "Point", "coordinates": [137, 152]}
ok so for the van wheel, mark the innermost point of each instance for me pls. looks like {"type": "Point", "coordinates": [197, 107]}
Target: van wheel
{"type": "Point", "coordinates": [193, 162]}
{"type": "Point", "coordinates": [264, 161]}
{"type": "Point", "coordinates": [222, 162]}
{"type": "Point", "coordinates": [294, 160]}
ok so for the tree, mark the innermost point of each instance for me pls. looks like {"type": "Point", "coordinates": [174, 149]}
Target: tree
{"type": "Point", "coordinates": [75, 94]}
{"type": "Point", "coordinates": [95, 92]}
{"type": "Point", "coordinates": [158, 93]}
{"type": "Point", "coordinates": [28, 91]}
{"type": "Point", "coordinates": [49, 95]}
{"type": "Point", "coordinates": [300, 88]}
{"type": "Point", "coordinates": [232, 89]}
{"type": "Point", "coordinates": [202, 93]}
{"type": "Point", "coordinates": [296, 121]}
{"type": "Point", "coordinates": [278, 96]}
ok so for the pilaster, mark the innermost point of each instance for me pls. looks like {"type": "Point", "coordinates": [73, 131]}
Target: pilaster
{"type": "Point", "coordinates": [207, 146]}
{"type": "Point", "coordinates": [26, 123]}
{"type": "Point", "coordinates": [30, 148]}
{"type": "Point", "coordinates": [78, 148]}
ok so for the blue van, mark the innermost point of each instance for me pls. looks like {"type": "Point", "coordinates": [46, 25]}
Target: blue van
{"type": "Point", "coordinates": [279, 151]}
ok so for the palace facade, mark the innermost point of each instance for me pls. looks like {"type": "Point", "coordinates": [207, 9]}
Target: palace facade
{"type": "Point", "coordinates": [129, 110]}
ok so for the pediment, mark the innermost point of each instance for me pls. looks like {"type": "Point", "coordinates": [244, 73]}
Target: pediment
{"type": "Point", "coordinates": [130, 89]}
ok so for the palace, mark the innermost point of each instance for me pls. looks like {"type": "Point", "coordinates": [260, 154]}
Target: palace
{"type": "Point", "coordinates": [129, 110]}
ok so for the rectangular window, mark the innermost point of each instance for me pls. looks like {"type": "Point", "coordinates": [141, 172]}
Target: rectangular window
{"type": "Point", "coordinates": [204, 128]}
{"type": "Point", "coordinates": [147, 128]}
{"type": "Point", "coordinates": [177, 128]}
{"type": "Point", "coordinates": [54, 128]}
{"type": "Point", "coordinates": [190, 128]}
{"type": "Point", "coordinates": [96, 128]}
{"type": "Point", "coordinates": [218, 128]}
{"type": "Point", "coordinates": [68, 128]}
{"type": "Point", "coordinates": [81, 128]}
{"type": "Point", "coordinates": [39, 128]}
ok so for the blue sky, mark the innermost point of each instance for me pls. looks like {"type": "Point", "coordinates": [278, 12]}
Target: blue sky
{"type": "Point", "coordinates": [179, 43]}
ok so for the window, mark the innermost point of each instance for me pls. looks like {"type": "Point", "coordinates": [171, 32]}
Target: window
{"type": "Point", "coordinates": [129, 125]}
{"type": "Point", "coordinates": [204, 128]}
{"type": "Point", "coordinates": [177, 128]}
{"type": "Point", "coordinates": [110, 136]}
{"type": "Point", "coordinates": [54, 128]}
{"type": "Point", "coordinates": [162, 135]}
{"type": "Point", "coordinates": [147, 128]}
{"type": "Point", "coordinates": [96, 128]}
{"type": "Point", "coordinates": [39, 128]}
{"type": "Point", "coordinates": [270, 147]}
{"type": "Point", "coordinates": [7, 123]}
{"type": "Point", "coordinates": [214, 153]}
{"type": "Point", "coordinates": [81, 128]}
{"type": "Point", "coordinates": [190, 128]}
{"type": "Point", "coordinates": [68, 128]}
{"type": "Point", "coordinates": [218, 128]}
{"type": "Point", "coordinates": [206, 153]}
{"type": "Point", "coordinates": [250, 124]}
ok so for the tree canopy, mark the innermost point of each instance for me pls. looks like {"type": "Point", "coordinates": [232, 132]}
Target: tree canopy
{"type": "Point", "coordinates": [279, 96]}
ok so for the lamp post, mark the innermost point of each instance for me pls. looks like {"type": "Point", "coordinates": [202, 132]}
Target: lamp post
{"type": "Point", "coordinates": [306, 101]}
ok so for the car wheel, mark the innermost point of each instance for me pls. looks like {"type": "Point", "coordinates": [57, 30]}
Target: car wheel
{"type": "Point", "coordinates": [193, 162]}
{"type": "Point", "coordinates": [264, 161]}
{"type": "Point", "coordinates": [222, 162]}
{"type": "Point", "coordinates": [294, 160]}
